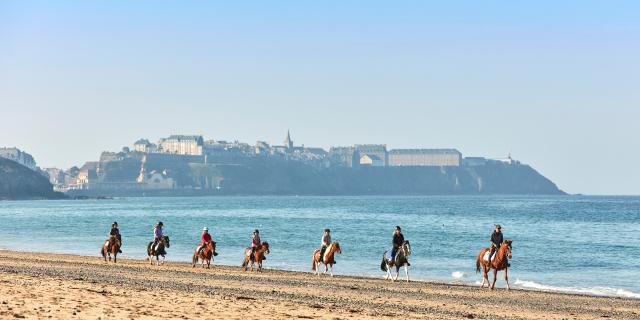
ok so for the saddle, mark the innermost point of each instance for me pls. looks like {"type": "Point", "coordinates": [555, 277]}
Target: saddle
{"type": "Point", "coordinates": [486, 256]}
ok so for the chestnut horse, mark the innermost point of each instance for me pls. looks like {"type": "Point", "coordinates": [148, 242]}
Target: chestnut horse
{"type": "Point", "coordinates": [205, 255]}
{"type": "Point", "coordinates": [159, 250]}
{"type": "Point", "coordinates": [110, 247]}
{"type": "Point", "coordinates": [328, 259]}
{"type": "Point", "coordinates": [499, 262]}
{"type": "Point", "coordinates": [258, 256]}
{"type": "Point", "coordinates": [401, 259]}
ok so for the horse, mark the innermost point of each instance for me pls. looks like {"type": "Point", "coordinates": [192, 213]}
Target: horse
{"type": "Point", "coordinates": [499, 262]}
{"type": "Point", "coordinates": [328, 260]}
{"type": "Point", "coordinates": [110, 247]}
{"type": "Point", "coordinates": [401, 259]}
{"type": "Point", "coordinates": [162, 244]}
{"type": "Point", "coordinates": [258, 256]}
{"type": "Point", "coordinates": [205, 255]}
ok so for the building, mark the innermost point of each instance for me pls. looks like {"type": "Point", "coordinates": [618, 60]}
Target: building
{"type": "Point", "coordinates": [183, 145]}
{"type": "Point", "coordinates": [424, 157]}
{"type": "Point", "coordinates": [288, 143]}
{"type": "Point", "coordinates": [378, 150]}
{"type": "Point", "coordinates": [21, 157]}
{"type": "Point", "coordinates": [371, 160]}
{"type": "Point", "coordinates": [144, 146]}
{"type": "Point", "coordinates": [344, 157]}
{"type": "Point", "coordinates": [474, 161]}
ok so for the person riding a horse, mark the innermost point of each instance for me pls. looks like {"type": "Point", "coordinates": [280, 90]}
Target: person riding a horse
{"type": "Point", "coordinates": [157, 235]}
{"type": "Point", "coordinates": [326, 241]}
{"type": "Point", "coordinates": [115, 232]}
{"type": "Point", "coordinates": [396, 242]}
{"type": "Point", "coordinates": [496, 241]}
{"type": "Point", "coordinates": [206, 237]}
{"type": "Point", "coordinates": [255, 243]}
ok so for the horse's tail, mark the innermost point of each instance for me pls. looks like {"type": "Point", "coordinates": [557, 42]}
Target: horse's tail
{"type": "Point", "coordinates": [245, 262]}
{"type": "Point", "coordinates": [383, 265]}
{"type": "Point", "coordinates": [313, 262]}
{"type": "Point", "coordinates": [478, 261]}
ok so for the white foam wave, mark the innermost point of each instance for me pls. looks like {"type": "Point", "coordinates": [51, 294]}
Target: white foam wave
{"type": "Point", "coordinates": [459, 274]}
{"type": "Point", "coordinates": [596, 291]}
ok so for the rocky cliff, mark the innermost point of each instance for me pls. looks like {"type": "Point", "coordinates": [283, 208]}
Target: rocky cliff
{"type": "Point", "coordinates": [20, 182]}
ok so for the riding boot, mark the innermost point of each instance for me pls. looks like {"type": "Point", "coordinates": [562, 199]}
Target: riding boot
{"type": "Point", "coordinates": [119, 251]}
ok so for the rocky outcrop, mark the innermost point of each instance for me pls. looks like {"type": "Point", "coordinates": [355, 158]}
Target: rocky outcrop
{"type": "Point", "coordinates": [20, 182]}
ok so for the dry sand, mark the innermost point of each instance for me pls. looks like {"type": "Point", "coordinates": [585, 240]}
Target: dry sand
{"type": "Point", "coordinates": [66, 286]}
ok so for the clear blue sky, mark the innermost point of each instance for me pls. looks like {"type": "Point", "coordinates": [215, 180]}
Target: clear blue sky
{"type": "Point", "coordinates": [556, 83]}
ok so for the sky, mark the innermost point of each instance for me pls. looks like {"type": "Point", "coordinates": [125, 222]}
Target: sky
{"type": "Point", "coordinates": [556, 84]}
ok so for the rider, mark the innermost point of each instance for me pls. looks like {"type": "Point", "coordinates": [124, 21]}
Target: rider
{"type": "Point", "coordinates": [398, 240]}
{"type": "Point", "coordinates": [496, 241]}
{"type": "Point", "coordinates": [115, 232]}
{"type": "Point", "coordinates": [255, 243]}
{"type": "Point", "coordinates": [326, 241]}
{"type": "Point", "coordinates": [157, 235]}
{"type": "Point", "coordinates": [206, 237]}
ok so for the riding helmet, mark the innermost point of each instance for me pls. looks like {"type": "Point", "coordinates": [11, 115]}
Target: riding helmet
{"type": "Point", "coordinates": [498, 226]}
{"type": "Point", "coordinates": [398, 228]}
{"type": "Point", "coordinates": [205, 229]}
{"type": "Point", "coordinates": [115, 223]}
{"type": "Point", "coordinates": [256, 231]}
{"type": "Point", "coordinates": [159, 223]}
{"type": "Point", "coordinates": [327, 230]}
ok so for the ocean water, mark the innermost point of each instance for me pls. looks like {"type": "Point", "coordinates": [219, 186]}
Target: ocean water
{"type": "Point", "coordinates": [579, 244]}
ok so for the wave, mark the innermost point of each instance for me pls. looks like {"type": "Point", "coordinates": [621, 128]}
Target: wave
{"type": "Point", "coordinates": [595, 291]}
{"type": "Point", "coordinates": [459, 274]}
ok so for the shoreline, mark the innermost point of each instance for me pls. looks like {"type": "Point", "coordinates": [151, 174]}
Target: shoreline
{"type": "Point", "coordinates": [534, 286]}
{"type": "Point", "coordinates": [63, 284]}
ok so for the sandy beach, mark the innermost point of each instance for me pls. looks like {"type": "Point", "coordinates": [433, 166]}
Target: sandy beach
{"type": "Point", "coordinates": [67, 286]}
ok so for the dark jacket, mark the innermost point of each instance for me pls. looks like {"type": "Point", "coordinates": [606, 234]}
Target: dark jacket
{"type": "Point", "coordinates": [398, 240]}
{"type": "Point", "coordinates": [114, 232]}
{"type": "Point", "coordinates": [496, 238]}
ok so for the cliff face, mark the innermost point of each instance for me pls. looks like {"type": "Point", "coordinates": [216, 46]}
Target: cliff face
{"type": "Point", "coordinates": [294, 178]}
{"type": "Point", "coordinates": [20, 182]}
{"type": "Point", "coordinates": [495, 178]}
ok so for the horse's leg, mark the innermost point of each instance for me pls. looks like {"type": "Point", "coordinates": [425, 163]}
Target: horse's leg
{"type": "Point", "coordinates": [495, 276]}
{"type": "Point", "coordinates": [485, 272]}
{"type": "Point", "coordinates": [163, 257]}
{"type": "Point", "coordinates": [317, 268]}
{"type": "Point", "coordinates": [388, 271]}
{"type": "Point", "coordinates": [397, 273]}
{"type": "Point", "coordinates": [506, 278]}
{"type": "Point", "coordinates": [115, 257]}
{"type": "Point", "coordinates": [331, 270]}
{"type": "Point", "coordinates": [406, 271]}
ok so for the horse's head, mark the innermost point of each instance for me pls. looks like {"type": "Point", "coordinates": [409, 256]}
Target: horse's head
{"type": "Point", "coordinates": [336, 247]}
{"type": "Point", "coordinates": [265, 245]}
{"type": "Point", "coordinates": [406, 247]}
{"type": "Point", "coordinates": [507, 245]}
{"type": "Point", "coordinates": [165, 239]}
{"type": "Point", "coordinates": [211, 245]}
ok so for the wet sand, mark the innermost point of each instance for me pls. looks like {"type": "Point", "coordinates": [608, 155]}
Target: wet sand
{"type": "Point", "coordinates": [66, 286]}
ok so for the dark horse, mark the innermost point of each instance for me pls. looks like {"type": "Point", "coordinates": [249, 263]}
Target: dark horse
{"type": "Point", "coordinates": [160, 250]}
{"type": "Point", "coordinates": [205, 254]}
{"type": "Point", "coordinates": [401, 259]}
{"type": "Point", "coordinates": [499, 262]}
{"type": "Point", "coordinates": [257, 257]}
{"type": "Point", "coordinates": [110, 247]}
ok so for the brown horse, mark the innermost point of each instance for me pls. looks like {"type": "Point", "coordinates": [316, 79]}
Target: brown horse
{"type": "Point", "coordinates": [159, 250]}
{"type": "Point", "coordinates": [205, 255]}
{"type": "Point", "coordinates": [110, 247]}
{"type": "Point", "coordinates": [499, 262]}
{"type": "Point", "coordinates": [328, 259]}
{"type": "Point", "coordinates": [258, 256]}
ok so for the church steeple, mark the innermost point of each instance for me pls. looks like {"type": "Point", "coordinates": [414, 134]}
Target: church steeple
{"type": "Point", "coordinates": [288, 142]}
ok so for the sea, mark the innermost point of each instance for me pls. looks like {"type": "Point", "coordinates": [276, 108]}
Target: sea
{"type": "Point", "coordinates": [573, 244]}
